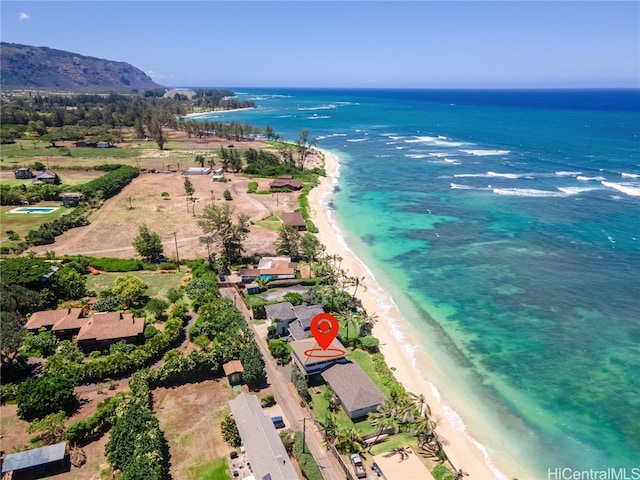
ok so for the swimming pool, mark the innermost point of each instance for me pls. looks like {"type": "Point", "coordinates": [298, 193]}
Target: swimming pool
{"type": "Point", "coordinates": [33, 210]}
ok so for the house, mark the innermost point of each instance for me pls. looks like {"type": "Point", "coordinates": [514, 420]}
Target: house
{"type": "Point", "coordinates": [280, 314]}
{"type": "Point", "coordinates": [106, 328]}
{"type": "Point", "coordinates": [197, 171]}
{"type": "Point", "coordinates": [37, 462]}
{"type": "Point", "coordinates": [71, 199]}
{"type": "Point", "coordinates": [358, 394]}
{"type": "Point", "coordinates": [295, 220]}
{"type": "Point", "coordinates": [67, 318]}
{"type": "Point", "coordinates": [262, 444]}
{"type": "Point", "coordinates": [23, 172]}
{"type": "Point", "coordinates": [233, 370]}
{"type": "Point", "coordinates": [401, 464]}
{"type": "Point", "coordinates": [252, 288]}
{"type": "Point", "coordinates": [300, 328]}
{"type": "Point", "coordinates": [311, 359]}
{"type": "Point", "coordinates": [104, 145]}
{"type": "Point", "coordinates": [286, 181]}
{"type": "Point", "coordinates": [290, 320]}
{"type": "Point", "coordinates": [84, 143]}
{"type": "Point", "coordinates": [271, 268]}
{"type": "Point", "coordinates": [51, 178]}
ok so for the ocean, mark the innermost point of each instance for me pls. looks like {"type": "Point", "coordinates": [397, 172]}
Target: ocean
{"type": "Point", "coordinates": [505, 225]}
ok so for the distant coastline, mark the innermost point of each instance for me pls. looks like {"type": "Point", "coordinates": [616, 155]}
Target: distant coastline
{"type": "Point", "coordinates": [213, 112]}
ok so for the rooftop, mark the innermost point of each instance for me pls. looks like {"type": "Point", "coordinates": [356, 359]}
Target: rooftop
{"type": "Point", "coordinates": [402, 464]}
{"type": "Point", "coordinates": [283, 311]}
{"type": "Point", "coordinates": [261, 441]}
{"type": "Point", "coordinates": [233, 366]}
{"type": "Point", "coordinates": [293, 219]}
{"type": "Point", "coordinates": [110, 326]}
{"type": "Point", "coordinates": [353, 386]}
{"type": "Point", "coordinates": [34, 457]}
{"type": "Point", "coordinates": [331, 355]}
{"type": "Point", "coordinates": [49, 318]}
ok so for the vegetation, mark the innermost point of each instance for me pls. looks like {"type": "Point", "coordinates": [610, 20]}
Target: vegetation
{"type": "Point", "coordinates": [38, 397]}
{"type": "Point", "coordinates": [229, 431]}
{"type": "Point", "coordinates": [305, 460]}
{"type": "Point", "coordinates": [148, 244]}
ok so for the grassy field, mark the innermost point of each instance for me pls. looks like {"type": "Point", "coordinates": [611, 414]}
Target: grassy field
{"type": "Point", "coordinates": [216, 470]}
{"type": "Point", "coordinates": [273, 222]}
{"type": "Point", "coordinates": [158, 283]}
{"type": "Point", "coordinates": [21, 223]}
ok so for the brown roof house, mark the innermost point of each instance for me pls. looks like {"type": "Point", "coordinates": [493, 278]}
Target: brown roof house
{"type": "Point", "coordinates": [64, 323]}
{"type": "Point", "coordinates": [358, 394]}
{"type": "Point", "coordinates": [106, 328]}
{"type": "Point", "coordinates": [286, 181]}
{"type": "Point", "coordinates": [271, 268]}
{"type": "Point", "coordinates": [295, 220]}
{"type": "Point", "coordinates": [233, 370]}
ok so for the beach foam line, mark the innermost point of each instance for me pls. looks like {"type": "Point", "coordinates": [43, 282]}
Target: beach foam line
{"type": "Point", "coordinates": [629, 175]}
{"type": "Point", "coordinates": [582, 178]}
{"type": "Point", "coordinates": [392, 330]}
{"type": "Point", "coordinates": [567, 174]}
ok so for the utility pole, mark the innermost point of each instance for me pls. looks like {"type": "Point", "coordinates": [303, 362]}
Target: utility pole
{"type": "Point", "coordinates": [304, 429]}
{"type": "Point", "coordinates": [177, 256]}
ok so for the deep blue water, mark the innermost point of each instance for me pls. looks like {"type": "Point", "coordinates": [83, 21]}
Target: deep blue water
{"type": "Point", "coordinates": [506, 226]}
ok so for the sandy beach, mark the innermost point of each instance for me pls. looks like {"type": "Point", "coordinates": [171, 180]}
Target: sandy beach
{"type": "Point", "coordinates": [461, 449]}
{"type": "Point", "coordinates": [213, 112]}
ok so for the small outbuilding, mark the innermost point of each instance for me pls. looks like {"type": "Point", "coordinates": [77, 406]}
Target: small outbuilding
{"type": "Point", "coordinates": [51, 178]}
{"type": "Point", "coordinates": [197, 171]}
{"type": "Point", "coordinates": [71, 199]}
{"type": "Point", "coordinates": [23, 172]}
{"type": "Point", "coordinates": [233, 370]}
{"type": "Point", "coordinates": [38, 462]}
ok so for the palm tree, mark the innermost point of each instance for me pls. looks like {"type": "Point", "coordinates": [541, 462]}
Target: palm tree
{"type": "Point", "coordinates": [385, 417]}
{"type": "Point", "coordinates": [350, 441]}
{"type": "Point", "coordinates": [420, 401]}
{"type": "Point", "coordinates": [200, 159]}
{"type": "Point", "coordinates": [330, 428]}
{"type": "Point", "coordinates": [367, 323]}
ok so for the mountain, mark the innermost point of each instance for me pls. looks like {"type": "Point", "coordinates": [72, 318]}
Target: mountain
{"type": "Point", "coordinates": [27, 67]}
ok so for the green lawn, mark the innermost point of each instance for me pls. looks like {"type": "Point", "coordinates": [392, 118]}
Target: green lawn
{"type": "Point", "coordinates": [158, 283]}
{"type": "Point", "coordinates": [395, 441]}
{"type": "Point", "coordinates": [22, 223]}
{"type": "Point", "coordinates": [272, 223]}
{"type": "Point", "coordinates": [216, 470]}
{"type": "Point", "coordinates": [25, 148]}
{"type": "Point", "coordinates": [321, 409]}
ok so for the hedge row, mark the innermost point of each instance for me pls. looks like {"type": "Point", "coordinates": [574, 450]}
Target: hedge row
{"type": "Point", "coordinates": [46, 233]}
{"type": "Point", "coordinates": [111, 183]}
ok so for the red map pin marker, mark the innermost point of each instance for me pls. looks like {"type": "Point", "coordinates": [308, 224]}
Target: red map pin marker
{"type": "Point", "coordinates": [324, 328]}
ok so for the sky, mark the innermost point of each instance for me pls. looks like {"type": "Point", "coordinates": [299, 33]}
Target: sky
{"type": "Point", "coordinates": [356, 44]}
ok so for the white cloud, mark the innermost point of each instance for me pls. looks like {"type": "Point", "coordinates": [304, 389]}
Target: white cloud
{"type": "Point", "coordinates": [24, 16]}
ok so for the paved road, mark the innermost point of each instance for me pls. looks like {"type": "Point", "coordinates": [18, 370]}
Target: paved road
{"type": "Point", "coordinates": [288, 399]}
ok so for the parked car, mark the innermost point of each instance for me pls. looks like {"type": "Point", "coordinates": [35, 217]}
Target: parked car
{"type": "Point", "coordinates": [278, 422]}
{"type": "Point", "coordinates": [358, 466]}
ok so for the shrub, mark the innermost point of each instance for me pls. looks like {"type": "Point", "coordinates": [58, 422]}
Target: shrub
{"type": "Point", "coordinates": [158, 308]}
{"type": "Point", "coordinates": [370, 344]}
{"type": "Point", "coordinates": [227, 195]}
{"type": "Point", "coordinates": [150, 331]}
{"type": "Point", "coordinates": [174, 294]}
{"type": "Point", "coordinates": [268, 401]}
{"type": "Point", "coordinates": [116, 264]}
{"type": "Point", "coordinates": [107, 303]}
{"type": "Point", "coordinates": [252, 187]}
{"type": "Point", "coordinates": [38, 397]}
{"type": "Point", "coordinates": [229, 431]}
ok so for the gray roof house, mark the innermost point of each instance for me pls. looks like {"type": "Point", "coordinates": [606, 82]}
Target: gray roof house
{"type": "Point", "coordinates": [356, 391]}
{"type": "Point", "coordinates": [262, 444]}
{"type": "Point", "coordinates": [293, 320]}
{"type": "Point", "coordinates": [280, 314]}
{"type": "Point", "coordinates": [301, 327]}
{"type": "Point", "coordinates": [38, 462]}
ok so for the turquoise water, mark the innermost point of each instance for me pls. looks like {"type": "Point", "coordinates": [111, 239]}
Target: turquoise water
{"type": "Point", "coordinates": [506, 226]}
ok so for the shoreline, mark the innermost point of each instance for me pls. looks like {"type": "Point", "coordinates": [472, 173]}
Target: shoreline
{"type": "Point", "coordinates": [464, 452]}
{"type": "Point", "coordinates": [213, 112]}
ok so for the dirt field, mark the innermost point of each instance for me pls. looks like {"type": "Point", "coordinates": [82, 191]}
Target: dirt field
{"type": "Point", "coordinates": [114, 226]}
{"type": "Point", "coordinates": [190, 417]}
{"type": "Point", "coordinates": [14, 433]}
